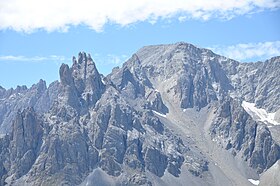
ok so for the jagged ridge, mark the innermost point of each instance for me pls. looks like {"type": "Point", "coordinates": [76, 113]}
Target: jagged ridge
{"type": "Point", "coordinates": [127, 123]}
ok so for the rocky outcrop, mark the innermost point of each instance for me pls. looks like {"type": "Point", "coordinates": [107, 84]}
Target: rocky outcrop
{"type": "Point", "coordinates": [255, 82]}
{"type": "Point", "coordinates": [193, 77]}
{"type": "Point", "coordinates": [240, 134]}
{"type": "Point", "coordinates": [81, 84]}
{"type": "Point", "coordinates": [65, 157]}
{"type": "Point", "coordinates": [20, 149]}
{"type": "Point", "coordinates": [26, 142]}
{"type": "Point", "coordinates": [4, 153]}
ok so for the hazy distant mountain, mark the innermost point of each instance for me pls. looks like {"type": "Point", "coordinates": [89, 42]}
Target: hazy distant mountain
{"type": "Point", "coordinates": [171, 115]}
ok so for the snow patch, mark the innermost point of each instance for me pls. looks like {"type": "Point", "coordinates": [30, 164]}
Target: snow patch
{"type": "Point", "coordinates": [259, 114]}
{"type": "Point", "coordinates": [13, 96]}
{"type": "Point", "coordinates": [215, 86]}
{"type": "Point", "coordinates": [253, 72]}
{"type": "Point", "coordinates": [254, 182]}
{"type": "Point", "coordinates": [102, 80]}
{"type": "Point", "coordinates": [160, 114]}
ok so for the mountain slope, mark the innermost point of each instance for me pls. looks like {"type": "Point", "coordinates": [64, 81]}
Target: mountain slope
{"type": "Point", "coordinates": [172, 114]}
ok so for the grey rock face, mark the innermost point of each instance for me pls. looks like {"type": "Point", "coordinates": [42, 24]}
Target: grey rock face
{"type": "Point", "coordinates": [66, 157]}
{"type": "Point", "coordinates": [136, 124]}
{"type": "Point", "coordinates": [239, 133]}
{"type": "Point", "coordinates": [266, 151]}
{"type": "Point", "coordinates": [155, 102]}
{"type": "Point", "coordinates": [82, 84]}
{"type": "Point", "coordinates": [156, 162]}
{"type": "Point", "coordinates": [256, 82]}
{"type": "Point", "coordinates": [38, 96]}
{"type": "Point", "coordinates": [4, 153]}
{"type": "Point", "coordinates": [20, 149]}
{"type": "Point", "coordinates": [277, 116]}
{"type": "Point", "coordinates": [122, 134]}
{"type": "Point", "coordinates": [87, 79]}
{"type": "Point", "coordinates": [194, 75]}
{"type": "Point", "coordinates": [26, 142]}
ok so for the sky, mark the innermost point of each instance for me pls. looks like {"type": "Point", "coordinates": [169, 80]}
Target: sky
{"type": "Point", "coordinates": [37, 36]}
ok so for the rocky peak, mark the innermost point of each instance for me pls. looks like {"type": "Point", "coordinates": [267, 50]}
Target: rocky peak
{"type": "Point", "coordinates": [82, 82]}
{"type": "Point", "coordinates": [65, 75]}
{"type": "Point", "coordinates": [20, 89]}
{"type": "Point", "coordinates": [85, 73]}
{"type": "Point", "coordinates": [82, 57]}
{"type": "Point", "coordinates": [2, 91]}
{"type": "Point", "coordinates": [40, 87]}
{"type": "Point", "coordinates": [192, 77]}
{"type": "Point", "coordinates": [166, 113]}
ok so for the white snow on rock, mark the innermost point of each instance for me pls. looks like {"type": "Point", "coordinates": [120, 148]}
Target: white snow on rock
{"type": "Point", "coordinates": [160, 114]}
{"type": "Point", "coordinates": [254, 182]}
{"type": "Point", "coordinates": [259, 114]}
{"type": "Point", "coordinates": [133, 134]}
{"type": "Point", "coordinates": [215, 86]}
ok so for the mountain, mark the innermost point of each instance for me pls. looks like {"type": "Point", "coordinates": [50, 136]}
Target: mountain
{"type": "Point", "coordinates": [171, 115]}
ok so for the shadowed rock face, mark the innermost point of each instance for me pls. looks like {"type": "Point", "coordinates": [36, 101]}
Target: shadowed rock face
{"type": "Point", "coordinates": [126, 126]}
{"type": "Point", "coordinates": [26, 141]}
{"type": "Point", "coordinates": [22, 147]}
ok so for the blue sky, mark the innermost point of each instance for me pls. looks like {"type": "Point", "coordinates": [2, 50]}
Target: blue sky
{"type": "Point", "coordinates": [34, 41]}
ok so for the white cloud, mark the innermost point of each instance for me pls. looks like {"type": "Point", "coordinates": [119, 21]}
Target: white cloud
{"type": "Point", "coordinates": [54, 58]}
{"type": "Point", "coordinates": [249, 51]}
{"type": "Point", "coordinates": [110, 59]}
{"type": "Point", "coordinates": [116, 60]}
{"type": "Point", "coordinates": [30, 15]}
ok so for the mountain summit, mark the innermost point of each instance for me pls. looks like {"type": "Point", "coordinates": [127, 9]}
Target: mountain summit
{"type": "Point", "coordinates": [171, 115]}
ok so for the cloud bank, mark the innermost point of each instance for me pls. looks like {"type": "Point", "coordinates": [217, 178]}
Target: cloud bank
{"type": "Point", "coordinates": [240, 52]}
{"type": "Point", "coordinates": [249, 51]}
{"type": "Point", "coordinates": [51, 15]}
{"type": "Point", "coordinates": [54, 58]}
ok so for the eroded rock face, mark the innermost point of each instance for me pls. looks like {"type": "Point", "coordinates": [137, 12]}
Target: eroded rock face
{"type": "Point", "coordinates": [120, 125]}
{"type": "Point", "coordinates": [4, 153]}
{"type": "Point", "coordinates": [239, 133]}
{"type": "Point", "coordinates": [38, 96]}
{"type": "Point", "coordinates": [156, 161]}
{"type": "Point", "coordinates": [26, 141]}
{"type": "Point", "coordinates": [20, 150]}
{"type": "Point", "coordinates": [266, 151]}
{"type": "Point", "coordinates": [125, 139]}
{"type": "Point", "coordinates": [67, 157]}
{"type": "Point", "coordinates": [82, 84]}
{"type": "Point", "coordinates": [256, 82]}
